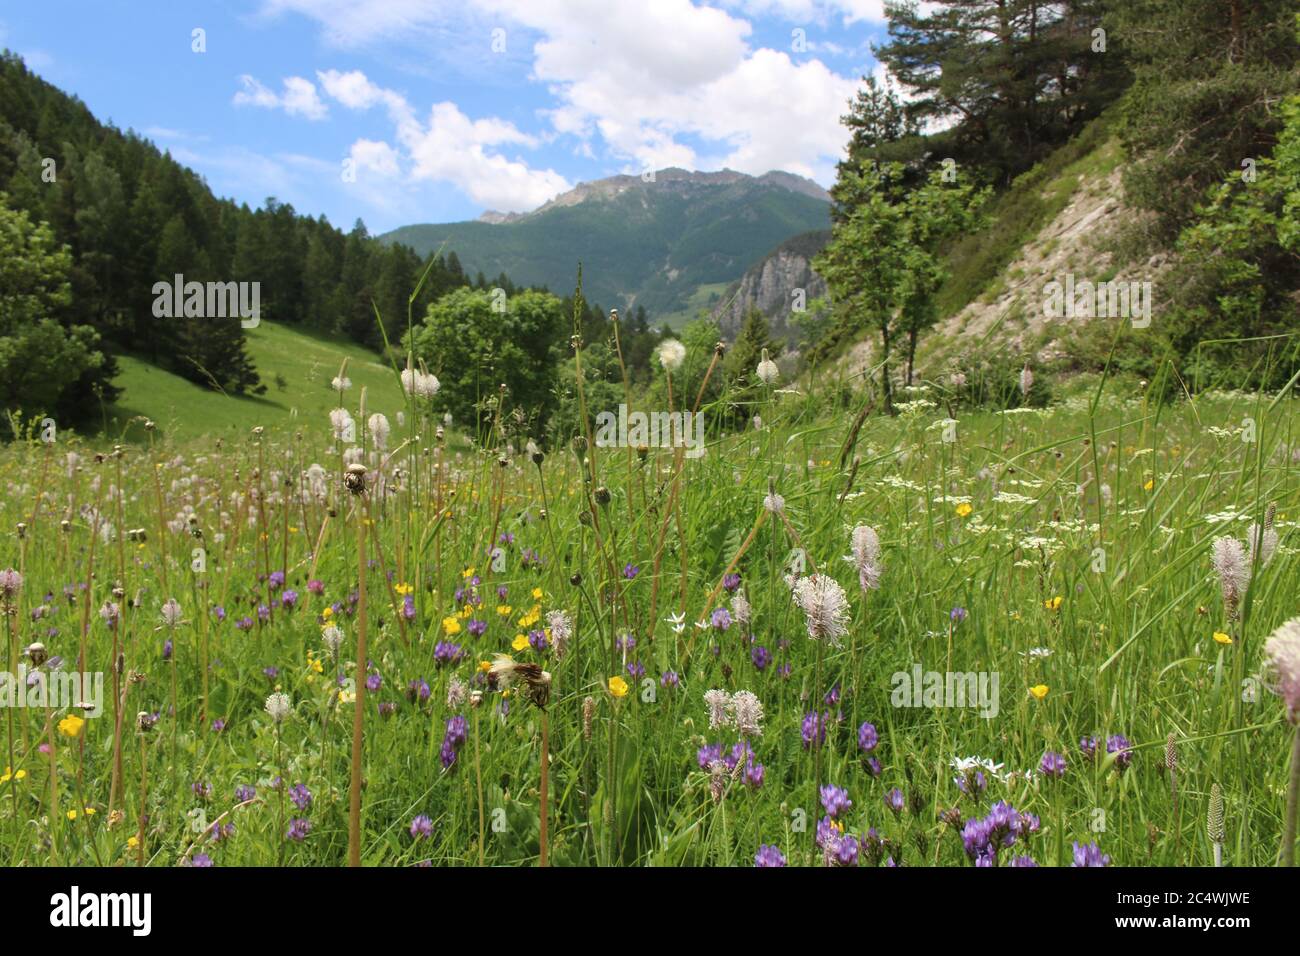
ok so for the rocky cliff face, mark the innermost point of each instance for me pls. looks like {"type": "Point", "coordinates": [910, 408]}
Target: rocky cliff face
{"type": "Point", "coordinates": [770, 285]}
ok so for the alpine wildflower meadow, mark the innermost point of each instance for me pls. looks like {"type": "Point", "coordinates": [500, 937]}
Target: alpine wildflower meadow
{"type": "Point", "coordinates": [1044, 636]}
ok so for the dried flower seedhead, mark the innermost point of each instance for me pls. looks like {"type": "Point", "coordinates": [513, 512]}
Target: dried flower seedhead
{"type": "Point", "coordinates": [588, 712]}
{"type": "Point", "coordinates": [22, 530]}
{"type": "Point", "coordinates": [1214, 816]}
{"type": "Point", "coordinates": [144, 721]}
{"type": "Point", "coordinates": [37, 654]}
{"type": "Point", "coordinates": [719, 348]}
{"type": "Point", "coordinates": [534, 683]}
{"type": "Point", "coordinates": [1171, 752]}
{"type": "Point", "coordinates": [354, 479]}
{"type": "Point", "coordinates": [475, 698]}
{"type": "Point", "coordinates": [602, 496]}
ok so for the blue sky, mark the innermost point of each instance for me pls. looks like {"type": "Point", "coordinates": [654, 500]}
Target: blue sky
{"type": "Point", "coordinates": [400, 111]}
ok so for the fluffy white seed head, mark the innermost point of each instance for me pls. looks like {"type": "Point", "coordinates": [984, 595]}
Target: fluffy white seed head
{"type": "Point", "coordinates": [1282, 653]}
{"type": "Point", "coordinates": [825, 607]}
{"type": "Point", "coordinates": [1233, 570]}
{"type": "Point", "coordinates": [866, 555]}
{"type": "Point", "coordinates": [671, 354]}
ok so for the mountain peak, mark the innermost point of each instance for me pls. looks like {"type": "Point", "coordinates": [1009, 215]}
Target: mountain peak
{"type": "Point", "coordinates": [675, 178]}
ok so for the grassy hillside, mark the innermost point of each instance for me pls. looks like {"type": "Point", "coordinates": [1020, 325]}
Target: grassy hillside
{"type": "Point", "coordinates": [652, 246]}
{"type": "Point", "coordinates": [296, 368]}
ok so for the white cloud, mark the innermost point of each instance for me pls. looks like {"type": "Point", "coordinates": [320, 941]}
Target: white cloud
{"type": "Point", "coordinates": [651, 78]}
{"type": "Point", "coordinates": [375, 156]}
{"type": "Point", "coordinates": [448, 147]}
{"type": "Point", "coordinates": [298, 99]}
{"type": "Point", "coordinates": [650, 84]}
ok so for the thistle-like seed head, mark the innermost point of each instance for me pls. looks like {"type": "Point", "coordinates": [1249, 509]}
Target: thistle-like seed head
{"type": "Point", "coordinates": [354, 479]}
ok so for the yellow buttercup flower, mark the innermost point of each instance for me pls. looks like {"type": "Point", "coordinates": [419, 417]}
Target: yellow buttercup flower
{"type": "Point", "coordinates": [467, 573]}
{"type": "Point", "coordinates": [1222, 638]}
{"type": "Point", "coordinates": [537, 594]}
{"type": "Point", "coordinates": [132, 842]}
{"type": "Point", "coordinates": [70, 726]}
{"type": "Point", "coordinates": [403, 589]}
{"type": "Point", "coordinates": [10, 775]}
{"type": "Point", "coordinates": [964, 509]}
{"type": "Point", "coordinates": [618, 687]}
{"type": "Point", "coordinates": [504, 610]}
{"type": "Point", "coordinates": [1038, 691]}
{"type": "Point", "coordinates": [450, 626]}
{"type": "Point", "coordinates": [519, 643]}
{"type": "Point", "coordinates": [1053, 604]}
{"type": "Point", "coordinates": [1151, 483]}
{"type": "Point", "coordinates": [327, 613]}
{"type": "Point", "coordinates": [485, 666]}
